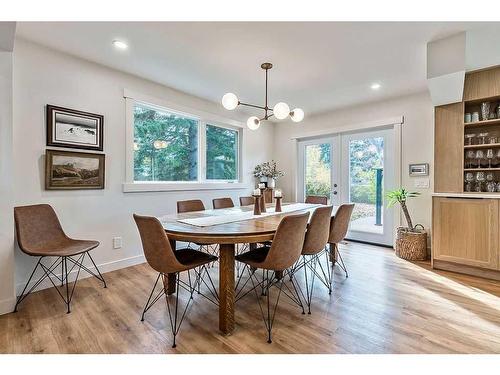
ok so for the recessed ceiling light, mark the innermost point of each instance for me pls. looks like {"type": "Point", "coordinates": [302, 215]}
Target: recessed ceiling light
{"type": "Point", "coordinates": [375, 86]}
{"type": "Point", "coordinates": [119, 44]}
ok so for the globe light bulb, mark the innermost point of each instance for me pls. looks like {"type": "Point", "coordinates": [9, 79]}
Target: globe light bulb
{"type": "Point", "coordinates": [281, 110]}
{"type": "Point", "coordinates": [230, 101]}
{"type": "Point", "coordinates": [297, 115]}
{"type": "Point", "coordinates": [253, 123]}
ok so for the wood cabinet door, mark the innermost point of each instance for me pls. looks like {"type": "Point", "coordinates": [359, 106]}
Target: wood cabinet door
{"type": "Point", "coordinates": [449, 148]}
{"type": "Point", "coordinates": [465, 231]}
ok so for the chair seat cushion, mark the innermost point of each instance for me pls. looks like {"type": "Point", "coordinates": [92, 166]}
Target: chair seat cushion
{"type": "Point", "coordinates": [193, 258]}
{"type": "Point", "coordinates": [68, 247]}
{"type": "Point", "coordinates": [254, 257]}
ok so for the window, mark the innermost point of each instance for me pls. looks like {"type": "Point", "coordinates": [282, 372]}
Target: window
{"type": "Point", "coordinates": [221, 153]}
{"type": "Point", "coordinates": [170, 146]}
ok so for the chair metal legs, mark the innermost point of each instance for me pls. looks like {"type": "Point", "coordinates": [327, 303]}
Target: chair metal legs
{"type": "Point", "coordinates": [176, 317]}
{"type": "Point", "coordinates": [48, 273]}
{"type": "Point", "coordinates": [336, 258]}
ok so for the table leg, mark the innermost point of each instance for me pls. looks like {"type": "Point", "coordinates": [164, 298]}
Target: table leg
{"type": "Point", "coordinates": [226, 288]}
{"type": "Point", "coordinates": [169, 281]}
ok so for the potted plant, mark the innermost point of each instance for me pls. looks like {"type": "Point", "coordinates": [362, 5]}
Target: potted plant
{"type": "Point", "coordinates": [411, 241]}
{"type": "Point", "coordinates": [268, 170]}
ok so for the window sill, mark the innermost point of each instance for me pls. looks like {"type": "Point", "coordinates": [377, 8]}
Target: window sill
{"type": "Point", "coordinates": [138, 187]}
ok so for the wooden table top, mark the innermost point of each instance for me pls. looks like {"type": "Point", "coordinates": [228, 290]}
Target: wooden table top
{"type": "Point", "coordinates": [246, 231]}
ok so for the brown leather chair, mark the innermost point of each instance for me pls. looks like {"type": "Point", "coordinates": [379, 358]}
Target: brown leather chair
{"type": "Point", "coordinates": [40, 234]}
{"type": "Point", "coordinates": [315, 242]}
{"type": "Point", "coordinates": [339, 226]}
{"type": "Point", "coordinates": [222, 203]}
{"type": "Point", "coordinates": [282, 254]}
{"type": "Point", "coordinates": [194, 205]}
{"type": "Point", "coordinates": [316, 199]}
{"type": "Point", "coordinates": [190, 206]}
{"type": "Point", "coordinates": [165, 261]}
{"type": "Point", "coordinates": [247, 201]}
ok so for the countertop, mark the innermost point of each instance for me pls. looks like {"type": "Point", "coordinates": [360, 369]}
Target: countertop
{"type": "Point", "coordinates": [468, 195]}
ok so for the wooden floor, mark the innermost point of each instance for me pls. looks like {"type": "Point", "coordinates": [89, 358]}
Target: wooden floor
{"type": "Point", "coordinates": [387, 305]}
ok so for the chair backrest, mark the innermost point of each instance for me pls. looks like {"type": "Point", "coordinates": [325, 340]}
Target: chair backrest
{"type": "Point", "coordinates": [37, 228]}
{"type": "Point", "coordinates": [318, 230]}
{"type": "Point", "coordinates": [317, 199]}
{"type": "Point", "coordinates": [222, 203]}
{"type": "Point", "coordinates": [287, 242]}
{"type": "Point", "coordinates": [156, 245]}
{"type": "Point", "coordinates": [340, 223]}
{"type": "Point", "coordinates": [190, 206]}
{"type": "Point", "coordinates": [247, 201]}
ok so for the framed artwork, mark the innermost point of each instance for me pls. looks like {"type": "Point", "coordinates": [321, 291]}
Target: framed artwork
{"type": "Point", "coordinates": [66, 170]}
{"type": "Point", "coordinates": [74, 129]}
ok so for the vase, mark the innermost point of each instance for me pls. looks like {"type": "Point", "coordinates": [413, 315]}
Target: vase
{"type": "Point", "coordinates": [271, 182]}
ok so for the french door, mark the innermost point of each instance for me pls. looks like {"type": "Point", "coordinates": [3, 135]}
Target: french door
{"type": "Point", "coordinates": [355, 167]}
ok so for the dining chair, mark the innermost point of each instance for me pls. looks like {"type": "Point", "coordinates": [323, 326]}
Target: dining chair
{"type": "Point", "coordinates": [315, 241]}
{"type": "Point", "coordinates": [222, 203]}
{"type": "Point", "coordinates": [317, 199]}
{"type": "Point", "coordinates": [247, 201]}
{"type": "Point", "coordinates": [275, 259]}
{"type": "Point", "coordinates": [339, 226]}
{"type": "Point", "coordinates": [40, 234]}
{"type": "Point", "coordinates": [194, 205]}
{"type": "Point", "coordinates": [161, 257]}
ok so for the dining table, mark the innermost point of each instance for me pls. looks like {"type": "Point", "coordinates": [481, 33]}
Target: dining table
{"type": "Point", "coordinates": [226, 228]}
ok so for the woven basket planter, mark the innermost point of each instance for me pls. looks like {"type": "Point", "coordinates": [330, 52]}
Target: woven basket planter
{"type": "Point", "coordinates": [411, 245]}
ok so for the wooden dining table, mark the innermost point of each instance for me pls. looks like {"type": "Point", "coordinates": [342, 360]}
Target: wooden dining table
{"type": "Point", "coordinates": [226, 235]}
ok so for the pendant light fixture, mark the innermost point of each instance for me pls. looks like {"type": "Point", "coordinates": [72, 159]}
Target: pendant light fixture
{"type": "Point", "coordinates": [281, 110]}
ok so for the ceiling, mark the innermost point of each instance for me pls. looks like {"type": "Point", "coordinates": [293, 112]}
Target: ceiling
{"type": "Point", "coordinates": [318, 66]}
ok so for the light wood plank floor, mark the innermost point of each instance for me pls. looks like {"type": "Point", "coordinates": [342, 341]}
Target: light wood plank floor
{"type": "Point", "coordinates": [387, 305]}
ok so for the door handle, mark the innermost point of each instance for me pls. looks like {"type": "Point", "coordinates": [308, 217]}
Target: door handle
{"type": "Point", "coordinates": [334, 192]}
{"type": "Point", "coordinates": [334, 185]}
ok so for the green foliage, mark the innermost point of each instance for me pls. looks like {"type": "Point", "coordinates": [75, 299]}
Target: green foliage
{"type": "Point", "coordinates": [178, 161]}
{"type": "Point", "coordinates": [399, 196]}
{"type": "Point", "coordinates": [222, 153]}
{"type": "Point", "coordinates": [318, 178]}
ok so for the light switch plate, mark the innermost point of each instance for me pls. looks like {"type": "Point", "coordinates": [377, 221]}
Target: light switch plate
{"type": "Point", "coordinates": [421, 183]}
{"type": "Point", "coordinates": [117, 242]}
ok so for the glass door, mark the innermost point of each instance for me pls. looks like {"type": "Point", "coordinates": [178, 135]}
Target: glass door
{"type": "Point", "coordinates": [367, 174]}
{"type": "Point", "coordinates": [318, 169]}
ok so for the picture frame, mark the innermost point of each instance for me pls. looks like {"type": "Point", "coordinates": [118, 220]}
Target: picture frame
{"type": "Point", "coordinates": [421, 169]}
{"type": "Point", "coordinates": [70, 128]}
{"type": "Point", "coordinates": [69, 170]}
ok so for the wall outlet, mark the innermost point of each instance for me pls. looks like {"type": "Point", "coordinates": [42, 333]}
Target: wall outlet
{"type": "Point", "coordinates": [117, 242]}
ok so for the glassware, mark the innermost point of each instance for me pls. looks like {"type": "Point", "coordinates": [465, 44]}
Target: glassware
{"type": "Point", "coordinates": [470, 156]}
{"type": "Point", "coordinates": [485, 111]}
{"type": "Point", "coordinates": [489, 155]}
{"type": "Point", "coordinates": [479, 157]}
{"type": "Point", "coordinates": [498, 186]}
{"type": "Point", "coordinates": [482, 138]}
{"type": "Point", "coordinates": [491, 187]}
{"type": "Point", "coordinates": [469, 181]}
{"type": "Point", "coordinates": [490, 176]}
{"type": "Point", "coordinates": [479, 181]}
{"type": "Point", "coordinates": [475, 116]}
{"type": "Point", "coordinates": [493, 139]}
{"type": "Point", "coordinates": [469, 139]}
{"type": "Point", "coordinates": [467, 117]}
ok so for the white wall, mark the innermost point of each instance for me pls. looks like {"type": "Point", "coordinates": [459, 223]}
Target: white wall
{"type": "Point", "coordinates": [7, 297]}
{"type": "Point", "coordinates": [43, 76]}
{"type": "Point", "coordinates": [417, 140]}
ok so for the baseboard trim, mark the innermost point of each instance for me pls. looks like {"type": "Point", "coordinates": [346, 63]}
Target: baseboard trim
{"type": "Point", "coordinates": [468, 270]}
{"type": "Point", "coordinates": [7, 305]}
{"type": "Point", "coordinates": [103, 267]}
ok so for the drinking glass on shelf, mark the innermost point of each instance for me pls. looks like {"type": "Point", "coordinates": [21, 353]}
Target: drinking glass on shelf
{"type": "Point", "coordinates": [479, 181]}
{"type": "Point", "coordinates": [490, 176]}
{"type": "Point", "coordinates": [469, 139]}
{"type": "Point", "coordinates": [498, 186]}
{"type": "Point", "coordinates": [479, 157]}
{"type": "Point", "coordinates": [482, 138]}
{"type": "Point", "coordinates": [469, 181]}
{"type": "Point", "coordinates": [491, 187]}
{"type": "Point", "coordinates": [493, 138]}
{"type": "Point", "coordinates": [489, 155]}
{"type": "Point", "coordinates": [470, 156]}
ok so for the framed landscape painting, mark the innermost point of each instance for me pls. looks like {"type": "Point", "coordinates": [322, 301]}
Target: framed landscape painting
{"type": "Point", "coordinates": [66, 170]}
{"type": "Point", "coordinates": [74, 129]}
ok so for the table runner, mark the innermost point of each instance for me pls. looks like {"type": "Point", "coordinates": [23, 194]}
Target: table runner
{"type": "Point", "coordinates": [226, 217]}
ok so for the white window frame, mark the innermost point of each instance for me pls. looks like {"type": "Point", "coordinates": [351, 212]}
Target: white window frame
{"type": "Point", "coordinates": [204, 118]}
